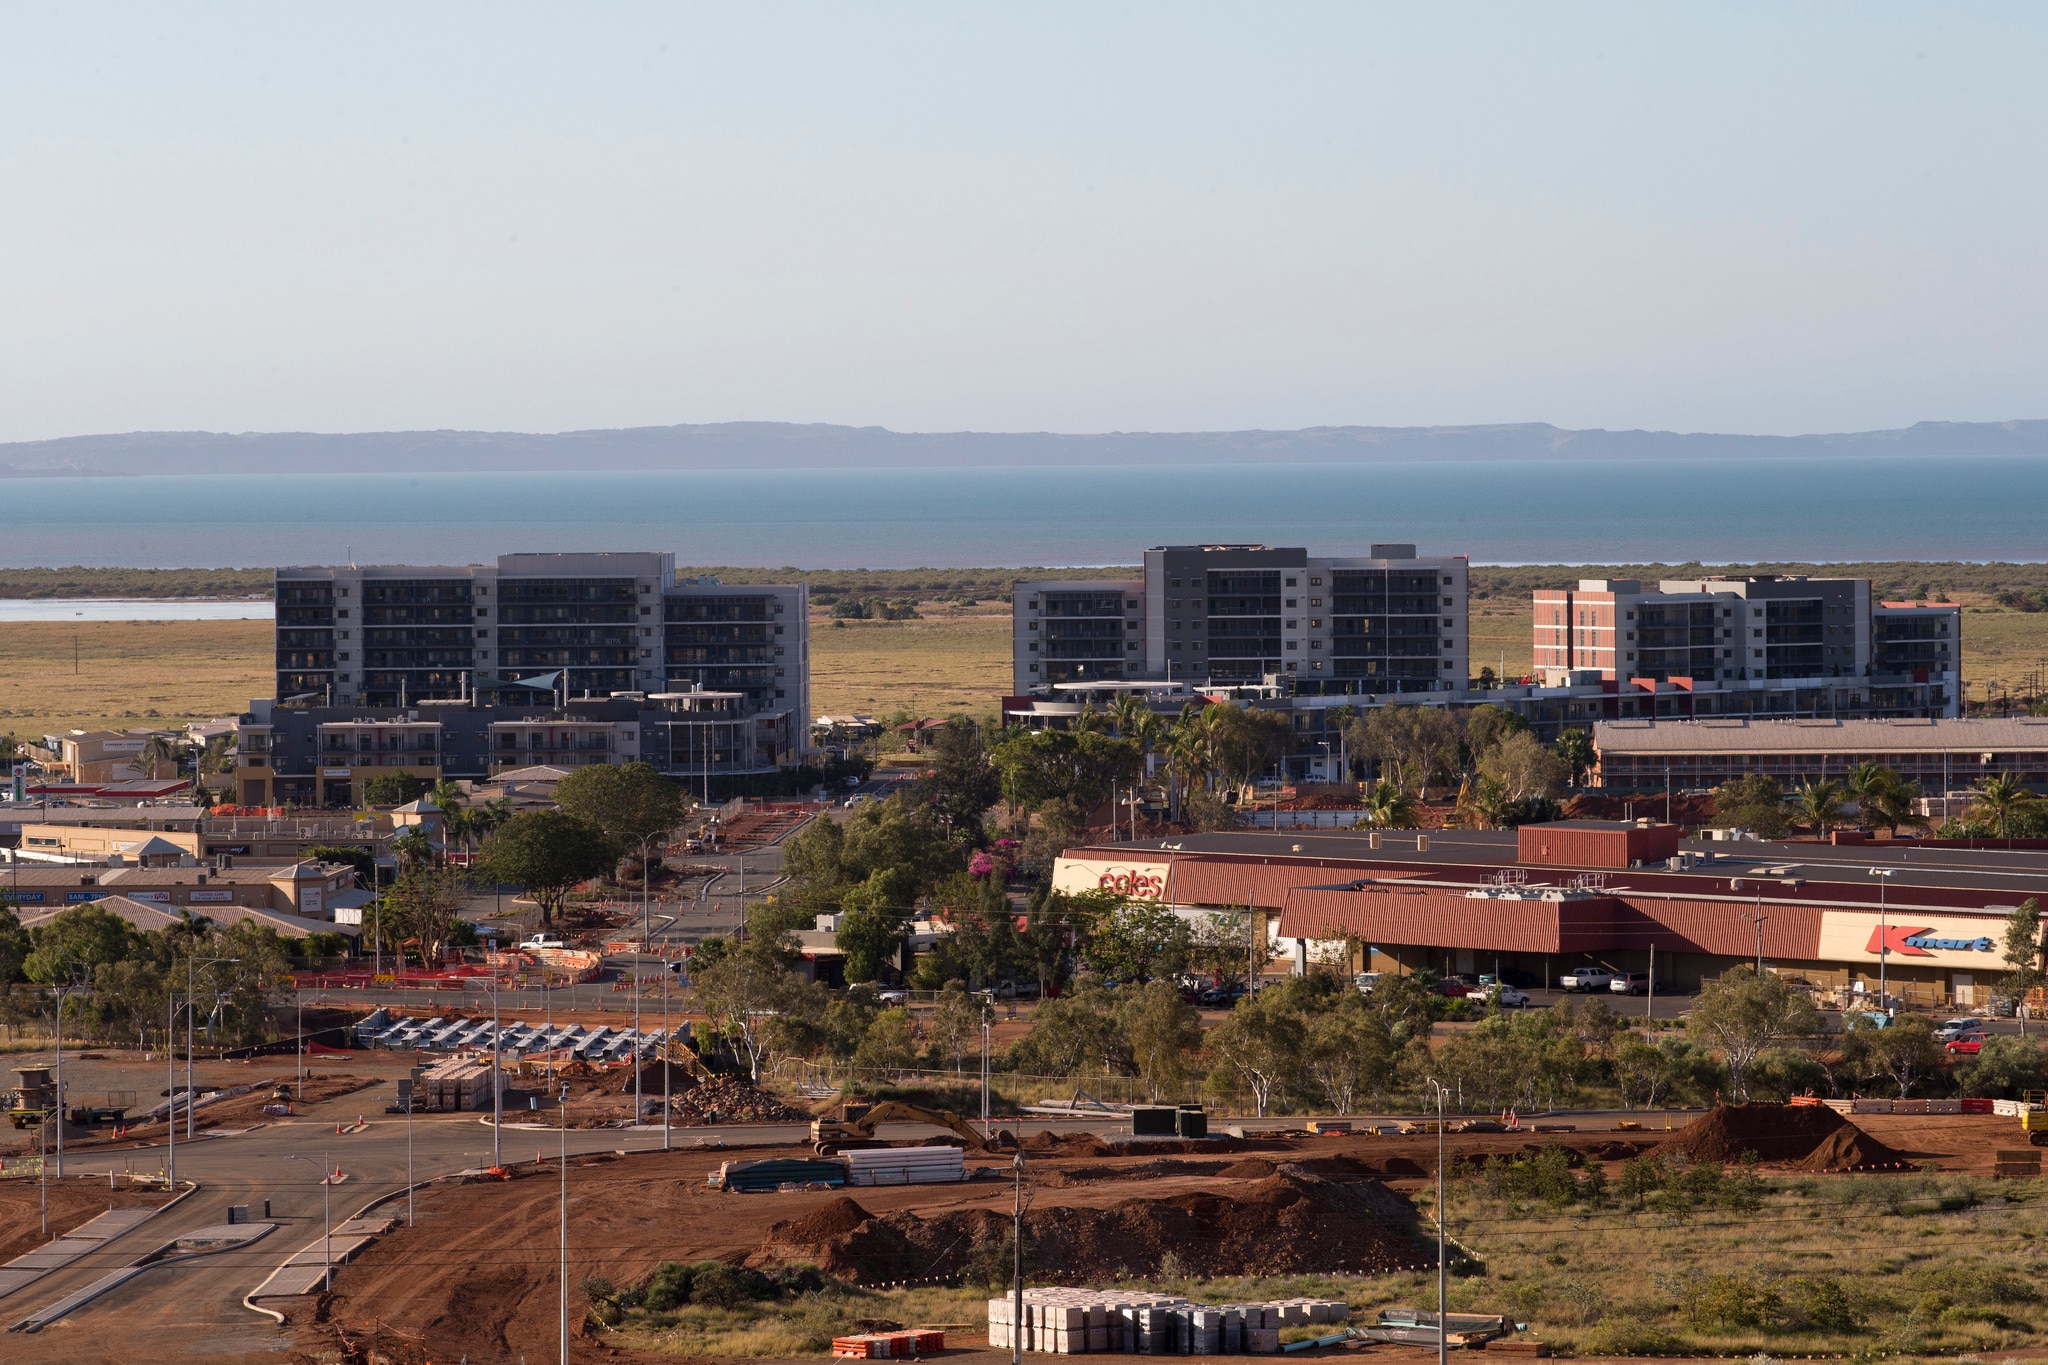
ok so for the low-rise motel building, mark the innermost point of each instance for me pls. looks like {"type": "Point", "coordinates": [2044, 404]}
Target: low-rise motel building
{"type": "Point", "coordinates": [1529, 905]}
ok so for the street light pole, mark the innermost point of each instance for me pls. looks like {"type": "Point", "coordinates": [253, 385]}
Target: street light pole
{"type": "Point", "coordinates": [192, 999]}
{"type": "Point", "coordinates": [497, 1071]}
{"type": "Point", "coordinates": [171, 1083]}
{"type": "Point", "coordinates": [1884, 876]}
{"type": "Point", "coordinates": [1442, 1277]}
{"type": "Point", "coordinates": [326, 1216]}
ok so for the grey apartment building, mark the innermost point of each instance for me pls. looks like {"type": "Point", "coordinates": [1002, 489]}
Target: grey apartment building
{"type": "Point", "coordinates": [721, 671]}
{"type": "Point", "coordinates": [1238, 615]}
{"type": "Point", "coordinates": [1905, 657]}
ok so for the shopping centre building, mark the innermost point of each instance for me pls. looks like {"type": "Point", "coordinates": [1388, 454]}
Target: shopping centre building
{"type": "Point", "coordinates": [1530, 905]}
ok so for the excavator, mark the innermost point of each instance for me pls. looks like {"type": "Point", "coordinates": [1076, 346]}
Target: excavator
{"type": "Point", "coordinates": [831, 1136]}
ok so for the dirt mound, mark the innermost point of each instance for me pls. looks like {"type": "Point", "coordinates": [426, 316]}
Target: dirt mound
{"type": "Point", "coordinates": [835, 1219]}
{"type": "Point", "coordinates": [1618, 1151]}
{"type": "Point", "coordinates": [1067, 1144]}
{"type": "Point", "coordinates": [1285, 1224]}
{"type": "Point", "coordinates": [727, 1099]}
{"type": "Point", "coordinates": [620, 1082]}
{"type": "Point", "coordinates": [1849, 1148]}
{"type": "Point", "coordinates": [1251, 1168]}
{"type": "Point", "coordinates": [1772, 1132]}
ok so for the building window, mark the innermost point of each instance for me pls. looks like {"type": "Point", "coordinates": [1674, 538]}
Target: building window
{"type": "Point", "coordinates": [484, 635]}
{"type": "Point", "coordinates": [1034, 669]}
{"type": "Point", "coordinates": [1315, 582]}
{"type": "Point", "coordinates": [1290, 625]}
{"type": "Point", "coordinates": [1290, 582]}
{"type": "Point", "coordinates": [1034, 646]}
{"type": "Point", "coordinates": [1447, 601]}
{"type": "Point", "coordinates": [344, 659]}
{"type": "Point", "coordinates": [1317, 665]}
{"type": "Point", "coordinates": [1034, 626]}
{"type": "Point", "coordinates": [1315, 644]}
{"type": "Point", "coordinates": [1290, 601]}
{"type": "Point", "coordinates": [1315, 623]}
{"type": "Point", "coordinates": [1447, 623]}
{"type": "Point", "coordinates": [1131, 645]}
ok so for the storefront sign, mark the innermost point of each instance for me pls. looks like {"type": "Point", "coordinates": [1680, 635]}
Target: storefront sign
{"type": "Point", "coordinates": [1910, 937]}
{"type": "Point", "coordinates": [77, 896]}
{"type": "Point", "coordinates": [26, 897]}
{"type": "Point", "coordinates": [1141, 881]}
{"type": "Point", "coordinates": [228, 896]}
{"type": "Point", "coordinates": [159, 897]}
{"type": "Point", "coordinates": [1921, 942]}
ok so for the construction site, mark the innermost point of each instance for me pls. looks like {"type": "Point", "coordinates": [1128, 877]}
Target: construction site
{"type": "Point", "coordinates": [1154, 1244]}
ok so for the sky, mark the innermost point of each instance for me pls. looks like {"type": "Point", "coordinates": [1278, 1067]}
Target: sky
{"type": "Point", "coordinates": [1089, 217]}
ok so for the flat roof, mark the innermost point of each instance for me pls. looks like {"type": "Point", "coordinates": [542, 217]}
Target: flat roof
{"type": "Point", "coordinates": [1988, 877]}
{"type": "Point", "coordinates": [1737, 735]}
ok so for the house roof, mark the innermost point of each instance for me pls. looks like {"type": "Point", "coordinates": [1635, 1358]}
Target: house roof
{"type": "Point", "coordinates": [145, 917]}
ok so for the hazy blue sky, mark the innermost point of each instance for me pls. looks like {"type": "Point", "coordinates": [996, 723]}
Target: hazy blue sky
{"type": "Point", "coordinates": [1746, 218]}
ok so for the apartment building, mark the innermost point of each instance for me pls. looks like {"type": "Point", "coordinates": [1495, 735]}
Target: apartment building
{"type": "Point", "coordinates": [1755, 629]}
{"type": "Point", "coordinates": [552, 659]}
{"type": "Point", "coordinates": [1246, 615]}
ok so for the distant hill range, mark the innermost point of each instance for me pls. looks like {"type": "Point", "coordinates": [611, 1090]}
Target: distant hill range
{"type": "Point", "coordinates": [786, 445]}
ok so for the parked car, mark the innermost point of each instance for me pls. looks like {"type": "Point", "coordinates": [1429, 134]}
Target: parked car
{"type": "Point", "coordinates": [1629, 983]}
{"type": "Point", "coordinates": [1865, 1018]}
{"type": "Point", "coordinates": [1366, 981]}
{"type": "Point", "coordinates": [858, 799]}
{"type": "Point", "coordinates": [893, 996]}
{"type": "Point", "coordinates": [1956, 1028]}
{"type": "Point", "coordinates": [1508, 998]}
{"type": "Point", "coordinates": [1586, 979]}
{"type": "Point", "coordinates": [1968, 1045]}
{"type": "Point", "coordinates": [1452, 987]}
{"type": "Point", "coordinates": [538, 942]}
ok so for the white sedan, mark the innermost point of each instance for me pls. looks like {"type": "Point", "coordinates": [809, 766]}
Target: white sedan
{"type": "Point", "coordinates": [1508, 998]}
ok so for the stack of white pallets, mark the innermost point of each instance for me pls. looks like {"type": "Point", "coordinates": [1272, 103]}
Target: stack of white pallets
{"type": "Point", "coordinates": [1061, 1321]}
{"type": "Point", "coordinates": [904, 1165]}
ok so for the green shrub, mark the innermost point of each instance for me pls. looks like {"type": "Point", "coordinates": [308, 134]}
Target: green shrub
{"type": "Point", "coordinates": [1626, 1334]}
{"type": "Point", "coordinates": [1730, 1301]}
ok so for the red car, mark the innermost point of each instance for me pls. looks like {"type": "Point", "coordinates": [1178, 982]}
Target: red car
{"type": "Point", "coordinates": [1969, 1043]}
{"type": "Point", "coordinates": [1452, 987]}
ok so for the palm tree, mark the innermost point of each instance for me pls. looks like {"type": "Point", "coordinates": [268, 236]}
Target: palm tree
{"type": "Point", "coordinates": [2004, 797]}
{"type": "Point", "coordinates": [1388, 807]}
{"type": "Point", "coordinates": [1820, 803]}
{"type": "Point", "coordinates": [156, 751]}
{"type": "Point", "coordinates": [1091, 719]}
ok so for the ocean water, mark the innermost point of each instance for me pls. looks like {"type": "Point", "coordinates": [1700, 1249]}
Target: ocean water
{"type": "Point", "coordinates": [1562, 511]}
{"type": "Point", "coordinates": [132, 609]}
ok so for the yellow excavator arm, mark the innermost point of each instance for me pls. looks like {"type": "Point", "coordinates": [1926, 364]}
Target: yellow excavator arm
{"type": "Point", "coordinates": [826, 1131]}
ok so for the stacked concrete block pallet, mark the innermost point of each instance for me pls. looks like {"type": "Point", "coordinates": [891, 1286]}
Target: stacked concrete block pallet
{"type": "Point", "coordinates": [1059, 1321]}
{"type": "Point", "coordinates": [904, 1165]}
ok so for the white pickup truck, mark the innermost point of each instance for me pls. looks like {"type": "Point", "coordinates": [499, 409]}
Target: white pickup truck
{"type": "Point", "coordinates": [1586, 979]}
{"type": "Point", "coordinates": [540, 942]}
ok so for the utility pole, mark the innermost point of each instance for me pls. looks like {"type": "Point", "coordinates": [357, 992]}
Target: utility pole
{"type": "Point", "coordinates": [564, 1277]}
{"type": "Point", "coordinates": [1650, 985]}
{"type": "Point", "coordinates": [1017, 1268]}
{"type": "Point", "coordinates": [1759, 919]}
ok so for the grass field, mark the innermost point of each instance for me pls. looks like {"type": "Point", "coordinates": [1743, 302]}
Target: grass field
{"type": "Point", "coordinates": [957, 659]}
{"type": "Point", "coordinates": [128, 673]}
